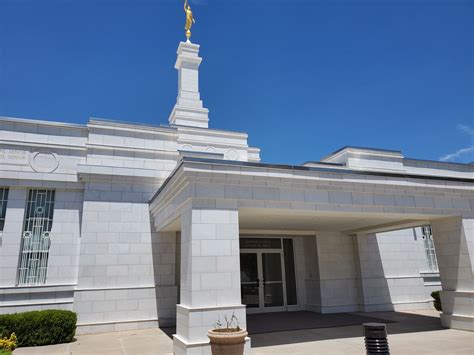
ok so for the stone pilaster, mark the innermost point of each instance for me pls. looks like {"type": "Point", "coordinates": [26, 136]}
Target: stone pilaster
{"type": "Point", "coordinates": [337, 271]}
{"type": "Point", "coordinates": [374, 293]}
{"type": "Point", "coordinates": [189, 110]}
{"type": "Point", "coordinates": [454, 242]}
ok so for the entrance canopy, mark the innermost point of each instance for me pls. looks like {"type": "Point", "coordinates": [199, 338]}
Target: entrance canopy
{"type": "Point", "coordinates": [312, 198]}
{"type": "Point", "coordinates": [212, 203]}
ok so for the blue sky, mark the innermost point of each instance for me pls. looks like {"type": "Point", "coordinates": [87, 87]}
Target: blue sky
{"type": "Point", "coordinates": [302, 77]}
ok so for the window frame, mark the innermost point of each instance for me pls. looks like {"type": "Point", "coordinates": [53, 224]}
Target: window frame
{"type": "Point", "coordinates": [36, 237]}
{"type": "Point", "coordinates": [3, 206]}
{"type": "Point", "coordinates": [429, 248]}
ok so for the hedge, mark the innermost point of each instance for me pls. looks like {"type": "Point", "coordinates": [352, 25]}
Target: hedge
{"type": "Point", "coordinates": [437, 300]}
{"type": "Point", "coordinates": [40, 327]}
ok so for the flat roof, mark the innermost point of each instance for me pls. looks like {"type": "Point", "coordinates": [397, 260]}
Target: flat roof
{"type": "Point", "coordinates": [306, 168]}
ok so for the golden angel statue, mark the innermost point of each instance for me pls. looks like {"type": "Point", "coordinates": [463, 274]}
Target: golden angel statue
{"type": "Point", "coordinates": [189, 19]}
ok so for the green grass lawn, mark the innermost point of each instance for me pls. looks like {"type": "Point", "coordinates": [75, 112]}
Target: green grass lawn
{"type": "Point", "coordinates": [4, 352]}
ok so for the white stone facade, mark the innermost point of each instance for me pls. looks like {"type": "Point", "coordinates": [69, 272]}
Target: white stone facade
{"type": "Point", "coordinates": [148, 220]}
{"type": "Point", "coordinates": [106, 261]}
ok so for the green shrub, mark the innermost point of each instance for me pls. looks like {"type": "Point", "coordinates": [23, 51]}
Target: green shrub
{"type": "Point", "coordinates": [437, 300]}
{"type": "Point", "coordinates": [40, 327]}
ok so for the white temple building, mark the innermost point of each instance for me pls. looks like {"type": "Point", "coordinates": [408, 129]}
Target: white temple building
{"type": "Point", "coordinates": [135, 226]}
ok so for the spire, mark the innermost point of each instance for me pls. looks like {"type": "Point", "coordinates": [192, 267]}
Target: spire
{"type": "Point", "coordinates": [189, 110]}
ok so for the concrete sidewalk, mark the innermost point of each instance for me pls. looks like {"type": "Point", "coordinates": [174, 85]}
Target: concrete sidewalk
{"type": "Point", "coordinates": [414, 333]}
{"type": "Point", "coordinates": [133, 342]}
{"type": "Point", "coordinates": [417, 332]}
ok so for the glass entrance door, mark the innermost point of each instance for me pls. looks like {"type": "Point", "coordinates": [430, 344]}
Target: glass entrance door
{"type": "Point", "coordinates": [272, 280]}
{"type": "Point", "coordinates": [262, 284]}
{"type": "Point", "coordinates": [249, 280]}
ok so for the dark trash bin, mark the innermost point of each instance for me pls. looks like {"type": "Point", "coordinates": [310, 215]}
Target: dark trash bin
{"type": "Point", "coordinates": [376, 339]}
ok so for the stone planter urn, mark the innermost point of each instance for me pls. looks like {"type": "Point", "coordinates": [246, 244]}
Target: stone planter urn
{"type": "Point", "coordinates": [227, 341]}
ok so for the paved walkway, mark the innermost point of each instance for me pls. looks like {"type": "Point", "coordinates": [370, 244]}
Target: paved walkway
{"type": "Point", "coordinates": [413, 333]}
{"type": "Point", "coordinates": [416, 332]}
{"type": "Point", "coordinates": [299, 320]}
{"type": "Point", "coordinates": [135, 342]}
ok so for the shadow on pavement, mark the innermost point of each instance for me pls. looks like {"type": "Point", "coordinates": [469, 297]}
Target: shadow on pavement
{"type": "Point", "coordinates": [397, 323]}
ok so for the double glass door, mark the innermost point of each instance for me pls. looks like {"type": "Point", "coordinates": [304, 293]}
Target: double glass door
{"type": "Point", "coordinates": [262, 280]}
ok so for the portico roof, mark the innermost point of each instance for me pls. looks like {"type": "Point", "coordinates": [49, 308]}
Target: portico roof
{"type": "Point", "coordinates": [322, 166]}
{"type": "Point", "coordinates": [309, 198]}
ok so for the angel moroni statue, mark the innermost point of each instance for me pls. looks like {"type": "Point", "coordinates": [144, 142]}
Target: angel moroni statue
{"type": "Point", "coordinates": [189, 19]}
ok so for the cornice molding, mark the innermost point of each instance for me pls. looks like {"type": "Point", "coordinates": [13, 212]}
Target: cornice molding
{"type": "Point", "coordinates": [28, 121]}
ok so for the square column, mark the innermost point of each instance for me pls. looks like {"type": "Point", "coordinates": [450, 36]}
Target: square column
{"type": "Point", "coordinates": [454, 242]}
{"type": "Point", "coordinates": [338, 274]}
{"type": "Point", "coordinates": [210, 277]}
{"type": "Point", "coordinates": [374, 295]}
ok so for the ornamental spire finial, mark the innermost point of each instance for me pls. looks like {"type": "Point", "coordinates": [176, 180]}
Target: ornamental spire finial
{"type": "Point", "coordinates": [189, 20]}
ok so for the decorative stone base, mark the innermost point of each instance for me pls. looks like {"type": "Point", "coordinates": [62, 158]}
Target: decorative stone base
{"type": "Point", "coordinates": [189, 116]}
{"type": "Point", "coordinates": [194, 322]}
{"type": "Point", "coordinates": [457, 322]}
{"type": "Point", "coordinates": [95, 328]}
{"type": "Point", "coordinates": [181, 347]}
{"type": "Point", "coordinates": [458, 309]}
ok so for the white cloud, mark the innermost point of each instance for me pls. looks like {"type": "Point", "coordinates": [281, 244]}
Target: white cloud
{"type": "Point", "coordinates": [463, 153]}
{"type": "Point", "coordinates": [466, 129]}
{"type": "Point", "coordinates": [457, 154]}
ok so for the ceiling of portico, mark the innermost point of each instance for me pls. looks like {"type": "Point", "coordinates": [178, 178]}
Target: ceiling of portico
{"type": "Point", "coordinates": [262, 220]}
{"type": "Point", "coordinates": [289, 220]}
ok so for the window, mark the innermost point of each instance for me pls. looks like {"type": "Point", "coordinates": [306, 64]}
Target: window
{"type": "Point", "coordinates": [429, 248]}
{"type": "Point", "coordinates": [36, 237]}
{"type": "Point", "coordinates": [3, 209]}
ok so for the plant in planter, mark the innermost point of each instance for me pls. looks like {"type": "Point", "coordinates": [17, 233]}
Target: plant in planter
{"type": "Point", "coordinates": [228, 340]}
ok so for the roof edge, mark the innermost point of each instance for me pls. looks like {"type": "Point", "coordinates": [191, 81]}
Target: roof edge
{"type": "Point", "coordinates": [30, 121]}
{"type": "Point", "coordinates": [185, 160]}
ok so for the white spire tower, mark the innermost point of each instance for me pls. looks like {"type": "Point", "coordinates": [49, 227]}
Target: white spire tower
{"type": "Point", "coordinates": [189, 110]}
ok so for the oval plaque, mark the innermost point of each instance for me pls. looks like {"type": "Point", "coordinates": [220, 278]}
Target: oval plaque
{"type": "Point", "coordinates": [44, 162]}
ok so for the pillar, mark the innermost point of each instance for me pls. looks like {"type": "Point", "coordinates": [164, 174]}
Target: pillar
{"type": "Point", "coordinates": [338, 275]}
{"type": "Point", "coordinates": [454, 243]}
{"type": "Point", "coordinates": [374, 293]}
{"type": "Point", "coordinates": [210, 277]}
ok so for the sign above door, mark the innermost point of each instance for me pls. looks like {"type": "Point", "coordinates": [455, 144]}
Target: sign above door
{"type": "Point", "coordinates": [260, 243]}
